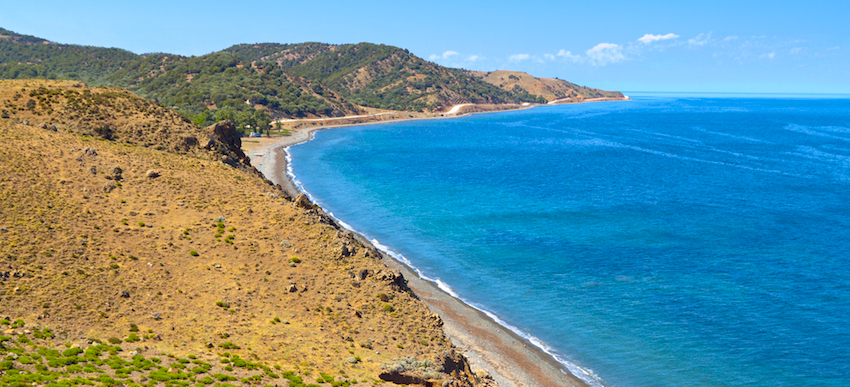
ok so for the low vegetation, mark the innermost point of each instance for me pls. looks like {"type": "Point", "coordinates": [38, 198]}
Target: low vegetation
{"type": "Point", "coordinates": [106, 284]}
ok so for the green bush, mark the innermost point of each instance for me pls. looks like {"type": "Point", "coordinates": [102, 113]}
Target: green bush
{"type": "Point", "coordinates": [223, 377]}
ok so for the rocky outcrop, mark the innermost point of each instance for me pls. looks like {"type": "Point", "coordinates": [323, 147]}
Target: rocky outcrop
{"type": "Point", "coordinates": [223, 138]}
{"type": "Point", "coordinates": [302, 201]}
{"type": "Point", "coordinates": [449, 369]}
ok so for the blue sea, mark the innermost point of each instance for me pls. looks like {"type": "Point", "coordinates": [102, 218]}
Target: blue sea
{"type": "Point", "coordinates": [673, 240]}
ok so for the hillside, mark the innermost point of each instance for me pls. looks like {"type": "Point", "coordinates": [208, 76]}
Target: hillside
{"type": "Point", "coordinates": [547, 88]}
{"type": "Point", "coordinates": [176, 258]}
{"type": "Point", "coordinates": [252, 84]}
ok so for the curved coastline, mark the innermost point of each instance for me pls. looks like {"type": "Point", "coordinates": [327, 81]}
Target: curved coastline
{"type": "Point", "coordinates": [511, 356]}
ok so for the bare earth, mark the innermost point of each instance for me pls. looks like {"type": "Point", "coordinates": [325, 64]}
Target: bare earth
{"type": "Point", "coordinates": [508, 358]}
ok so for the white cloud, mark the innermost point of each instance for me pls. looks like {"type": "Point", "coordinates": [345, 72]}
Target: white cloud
{"type": "Point", "coordinates": [445, 55]}
{"type": "Point", "coordinates": [649, 38]}
{"type": "Point", "coordinates": [569, 55]}
{"type": "Point", "coordinates": [519, 57]}
{"type": "Point", "coordinates": [769, 56]}
{"type": "Point", "coordinates": [549, 56]}
{"type": "Point", "coordinates": [728, 38]}
{"type": "Point", "coordinates": [833, 48]}
{"type": "Point", "coordinates": [700, 40]}
{"type": "Point", "coordinates": [604, 53]}
{"type": "Point", "coordinates": [473, 58]}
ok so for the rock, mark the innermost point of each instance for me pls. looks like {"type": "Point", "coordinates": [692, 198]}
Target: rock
{"type": "Point", "coordinates": [220, 219]}
{"type": "Point", "coordinates": [157, 316]}
{"type": "Point", "coordinates": [109, 187]}
{"type": "Point", "coordinates": [90, 152]}
{"type": "Point", "coordinates": [302, 201]}
{"type": "Point", "coordinates": [152, 174]}
{"type": "Point", "coordinates": [344, 251]}
{"type": "Point", "coordinates": [125, 294]}
{"type": "Point", "coordinates": [285, 243]}
{"type": "Point", "coordinates": [93, 171]}
{"type": "Point", "coordinates": [4, 229]}
{"type": "Point", "coordinates": [114, 173]}
{"type": "Point", "coordinates": [363, 274]}
{"type": "Point", "coordinates": [351, 360]}
{"type": "Point", "coordinates": [292, 288]}
{"type": "Point", "coordinates": [53, 128]}
{"type": "Point", "coordinates": [223, 138]}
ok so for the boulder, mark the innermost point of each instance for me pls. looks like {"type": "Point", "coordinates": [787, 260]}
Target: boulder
{"type": "Point", "coordinates": [152, 174]}
{"type": "Point", "coordinates": [114, 173]}
{"type": "Point", "coordinates": [223, 138]}
{"type": "Point", "coordinates": [302, 201]}
{"type": "Point", "coordinates": [109, 187]}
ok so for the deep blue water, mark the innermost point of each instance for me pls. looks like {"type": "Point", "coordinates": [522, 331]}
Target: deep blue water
{"type": "Point", "coordinates": [665, 241]}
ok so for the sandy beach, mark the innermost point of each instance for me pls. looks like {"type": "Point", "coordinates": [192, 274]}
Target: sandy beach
{"type": "Point", "coordinates": [509, 359]}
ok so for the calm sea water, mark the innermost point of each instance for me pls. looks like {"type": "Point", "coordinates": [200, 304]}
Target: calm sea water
{"type": "Point", "coordinates": [667, 241]}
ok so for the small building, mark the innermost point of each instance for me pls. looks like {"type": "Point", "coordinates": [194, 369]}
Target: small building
{"type": "Point", "coordinates": [255, 134]}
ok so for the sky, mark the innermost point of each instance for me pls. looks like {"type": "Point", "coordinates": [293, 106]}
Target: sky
{"type": "Point", "coordinates": [671, 46]}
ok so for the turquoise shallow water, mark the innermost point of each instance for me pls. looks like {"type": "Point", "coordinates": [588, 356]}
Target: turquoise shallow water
{"type": "Point", "coordinates": [671, 240]}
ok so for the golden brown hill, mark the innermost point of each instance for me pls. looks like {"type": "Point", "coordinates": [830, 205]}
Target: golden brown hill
{"type": "Point", "coordinates": [202, 257]}
{"type": "Point", "coordinates": [548, 88]}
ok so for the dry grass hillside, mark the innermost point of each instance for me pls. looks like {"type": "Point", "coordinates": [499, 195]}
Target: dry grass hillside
{"type": "Point", "coordinates": [140, 230]}
{"type": "Point", "coordinates": [548, 88]}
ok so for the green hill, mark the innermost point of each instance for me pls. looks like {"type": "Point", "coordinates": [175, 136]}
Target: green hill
{"type": "Point", "coordinates": [252, 84]}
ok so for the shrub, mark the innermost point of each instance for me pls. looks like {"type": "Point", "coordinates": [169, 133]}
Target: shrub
{"type": "Point", "coordinates": [114, 340]}
{"type": "Point", "coordinates": [223, 377]}
{"type": "Point", "coordinates": [72, 352]}
{"type": "Point", "coordinates": [193, 253]}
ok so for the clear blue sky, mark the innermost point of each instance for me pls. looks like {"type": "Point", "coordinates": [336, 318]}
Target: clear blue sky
{"type": "Point", "coordinates": [716, 46]}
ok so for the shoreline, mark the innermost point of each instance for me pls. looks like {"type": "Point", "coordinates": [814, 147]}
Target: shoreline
{"type": "Point", "coordinates": [509, 359]}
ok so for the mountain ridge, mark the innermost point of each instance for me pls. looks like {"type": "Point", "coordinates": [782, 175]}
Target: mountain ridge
{"type": "Point", "coordinates": [253, 84]}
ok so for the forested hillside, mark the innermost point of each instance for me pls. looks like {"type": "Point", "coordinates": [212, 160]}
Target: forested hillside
{"type": "Point", "coordinates": [252, 84]}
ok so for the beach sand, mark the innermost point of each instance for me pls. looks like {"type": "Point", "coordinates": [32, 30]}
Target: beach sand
{"type": "Point", "coordinates": [509, 359]}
